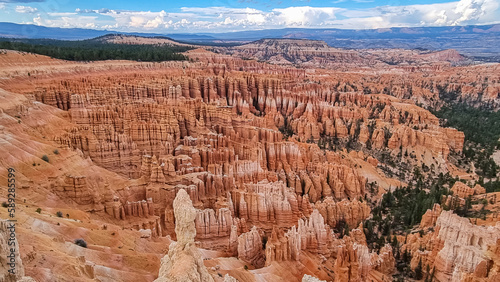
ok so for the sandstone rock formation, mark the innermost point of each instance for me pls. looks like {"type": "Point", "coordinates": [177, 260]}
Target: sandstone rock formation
{"type": "Point", "coordinates": [456, 249]}
{"type": "Point", "coordinates": [430, 217]}
{"type": "Point", "coordinates": [283, 247]}
{"type": "Point", "coordinates": [183, 261]}
{"type": "Point", "coordinates": [462, 190]}
{"type": "Point", "coordinates": [263, 161]}
{"type": "Point", "coordinates": [250, 247]}
{"type": "Point", "coordinates": [464, 246]}
{"type": "Point", "coordinates": [350, 212]}
{"type": "Point", "coordinates": [316, 53]}
{"type": "Point", "coordinates": [347, 266]}
{"type": "Point", "coordinates": [309, 278]}
{"type": "Point", "coordinates": [8, 260]}
{"type": "Point", "coordinates": [316, 236]}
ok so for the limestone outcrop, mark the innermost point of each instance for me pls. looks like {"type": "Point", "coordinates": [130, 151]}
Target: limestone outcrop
{"type": "Point", "coordinates": [74, 188]}
{"type": "Point", "coordinates": [350, 212]}
{"type": "Point", "coordinates": [10, 260]}
{"type": "Point", "coordinates": [430, 217]}
{"type": "Point", "coordinates": [283, 246]}
{"type": "Point", "coordinates": [463, 191]}
{"type": "Point", "coordinates": [316, 53]}
{"type": "Point", "coordinates": [464, 246]}
{"type": "Point", "coordinates": [316, 235]}
{"type": "Point", "coordinates": [250, 247]}
{"type": "Point", "coordinates": [309, 278]}
{"type": "Point", "coordinates": [183, 261]}
{"type": "Point", "coordinates": [456, 249]}
{"type": "Point", "coordinates": [347, 266]}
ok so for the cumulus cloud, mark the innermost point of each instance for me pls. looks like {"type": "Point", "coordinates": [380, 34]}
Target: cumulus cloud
{"type": "Point", "coordinates": [26, 9]}
{"type": "Point", "coordinates": [210, 18]}
{"type": "Point", "coordinates": [224, 19]}
{"type": "Point", "coordinates": [232, 16]}
{"type": "Point", "coordinates": [463, 12]}
{"type": "Point", "coordinates": [67, 22]}
{"type": "Point", "coordinates": [473, 10]}
{"type": "Point", "coordinates": [305, 16]}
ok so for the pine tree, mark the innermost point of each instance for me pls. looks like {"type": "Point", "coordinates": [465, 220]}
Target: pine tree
{"type": "Point", "coordinates": [418, 270]}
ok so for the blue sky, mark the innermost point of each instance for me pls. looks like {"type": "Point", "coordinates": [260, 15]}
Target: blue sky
{"type": "Point", "coordinates": [223, 16]}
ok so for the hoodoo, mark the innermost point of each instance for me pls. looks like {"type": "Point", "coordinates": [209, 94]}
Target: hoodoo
{"type": "Point", "coordinates": [183, 263]}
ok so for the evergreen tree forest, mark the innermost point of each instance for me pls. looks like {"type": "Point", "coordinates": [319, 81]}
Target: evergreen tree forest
{"type": "Point", "coordinates": [482, 133]}
{"type": "Point", "coordinates": [95, 50]}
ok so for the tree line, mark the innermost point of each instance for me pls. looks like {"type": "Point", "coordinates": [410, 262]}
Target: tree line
{"type": "Point", "coordinates": [91, 50]}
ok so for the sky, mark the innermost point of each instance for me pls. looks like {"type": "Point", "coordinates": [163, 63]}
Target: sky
{"type": "Point", "coordinates": [225, 16]}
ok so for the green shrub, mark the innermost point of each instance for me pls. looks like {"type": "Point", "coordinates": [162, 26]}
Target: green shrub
{"type": "Point", "coordinates": [59, 214]}
{"type": "Point", "coordinates": [39, 210]}
{"type": "Point", "coordinates": [45, 158]}
{"type": "Point", "coordinates": [80, 242]}
{"type": "Point", "coordinates": [5, 205]}
{"type": "Point", "coordinates": [56, 152]}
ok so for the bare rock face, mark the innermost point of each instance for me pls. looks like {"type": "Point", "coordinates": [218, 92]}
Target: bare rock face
{"type": "Point", "coordinates": [232, 248]}
{"type": "Point", "coordinates": [185, 214]}
{"type": "Point", "coordinates": [355, 262]}
{"type": "Point", "coordinates": [464, 247]}
{"type": "Point", "coordinates": [316, 53]}
{"type": "Point", "coordinates": [350, 212]}
{"type": "Point", "coordinates": [430, 217]}
{"type": "Point", "coordinates": [6, 243]}
{"type": "Point", "coordinates": [283, 247]}
{"type": "Point", "coordinates": [228, 278]}
{"type": "Point", "coordinates": [478, 190]}
{"type": "Point", "coordinates": [462, 190]}
{"type": "Point", "coordinates": [384, 262]}
{"type": "Point", "coordinates": [75, 188]}
{"type": "Point", "coordinates": [183, 262]}
{"type": "Point", "coordinates": [316, 236]}
{"type": "Point", "coordinates": [488, 271]}
{"type": "Point", "coordinates": [211, 224]}
{"type": "Point", "coordinates": [309, 278]}
{"type": "Point", "coordinates": [250, 247]}
{"type": "Point", "coordinates": [458, 249]}
{"type": "Point", "coordinates": [347, 266]}
{"type": "Point", "coordinates": [267, 202]}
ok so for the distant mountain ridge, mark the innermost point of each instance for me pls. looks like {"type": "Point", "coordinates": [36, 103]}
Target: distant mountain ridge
{"type": "Point", "coordinates": [475, 41]}
{"type": "Point", "coordinates": [318, 54]}
{"type": "Point", "coordinates": [29, 31]}
{"type": "Point", "coordinates": [137, 40]}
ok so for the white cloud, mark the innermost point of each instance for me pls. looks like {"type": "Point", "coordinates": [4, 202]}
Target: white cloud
{"type": "Point", "coordinates": [474, 10]}
{"type": "Point", "coordinates": [26, 9]}
{"type": "Point", "coordinates": [305, 16]}
{"type": "Point", "coordinates": [38, 20]}
{"type": "Point", "coordinates": [2, 6]}
{"type": "Point", "coordinates": [463, 12]}
{"type": "Point", "coordinates": [67, 22]}
{"type": "Point", "coordinates": [224, 19]}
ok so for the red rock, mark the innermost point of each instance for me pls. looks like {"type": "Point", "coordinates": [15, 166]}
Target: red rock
{"type": "Point", "coordinates": [250, 247]}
